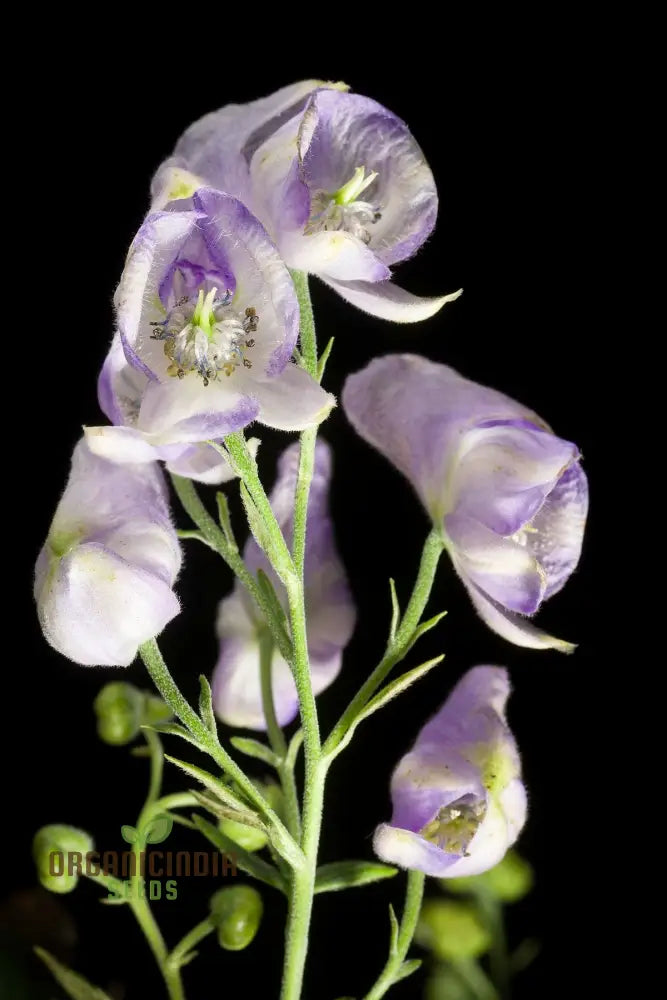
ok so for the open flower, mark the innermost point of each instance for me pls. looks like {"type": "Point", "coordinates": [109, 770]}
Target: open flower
{"type": "Point", "coordinates": [459, 802]}
{"type": "Point", "coordinates": [337, 179]}
{"type": "Point", "coordinates": [510, 496]}
{"type": "Point", "coordinates": [207, 322]}
{"type": "Point", "coordinates": [329, 609]}
{"type": "Point", "coordinates": [104, 578]}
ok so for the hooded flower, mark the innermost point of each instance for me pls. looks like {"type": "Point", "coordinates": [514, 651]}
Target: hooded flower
{"type": "Point", "coordinates": [459, 802]}
{"type": "Point", "coordinates": [207, 322]}
{"type": "Point", "coordinates": [329, 609]}
{"type": "Point", "coordinates": [104, 578]}
{"type": "Point", "coordinates": [338, 181]}
{"type": "Point", "coordinates": [510, 496]}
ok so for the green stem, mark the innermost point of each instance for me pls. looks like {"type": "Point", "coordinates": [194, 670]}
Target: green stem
{"type": "Point", "coordinates": [303, 481]}
{"type": "Point", "coordinates": [492, 911]}
{"type": "Point", "coordinates": [215, 538]}
{"type": "Point", "coordinates": [413, 901]}
{"type": "Point", "coordinates": [307, 338]}
{"type": "Point", "coordinates": [400, 645]}
{"type": "Point", "coordinates": [165, 684]}
{"type": "Point", "coordinates": [138, 901]}
{"type": "Point", "coordinates": [191, 940]}
{"type": "Point", "coordinates": [474, 977]}
{"type": "Point", "coordinates": [277, 737]}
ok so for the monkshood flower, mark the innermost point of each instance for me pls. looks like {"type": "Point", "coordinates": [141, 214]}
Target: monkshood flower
{"type": "Point", "coordinates": [207, 321]}
{"type": "Point", "coordinates": [330, 612]}
{"type": "Point", "coordinates": [458, 799]}
{"type": "Point", "coordinates": [103, 580]}
{"type": "Point", "coordinates": [510, 497]}
{"type": "Point", "coordinates": [337, 179]}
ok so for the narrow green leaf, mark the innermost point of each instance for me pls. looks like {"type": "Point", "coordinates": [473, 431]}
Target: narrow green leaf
{"type": "Point", "coordinates": [395, 611]}
{"type": "Point", "coordinates": [173, 729]}
{"type": "Point", "coordinates": [195, 536]}
{"type": "Point", "coordinates": [214, 785]}
{"type": "Point", "coordinates": [407, 969]}
{"type": "Point", "coordinates": [225, 520]}
{"type": "Point", "coordinates": [274, 607]}
{"type": "Point", "coordinates": [255, 522]}
{"type": "Point", "coordinates": [74, 985]}
{"type": "Point", "coordinates": [222, 811]}
{"type": "Point", "coordinates": [387, 694]}
{"type": "Point", "coordinates": [424, 628]}
{"type": "Point", "coordinates": [206, 706]}
{"type": "Point", "coordinates": [246, 861]}
{"type": "Point", "coordinates": [324, 357]}
{"type": "Point", "coordinates": [347, 874]}
{"type": "Point", "coordinates": [253, 748]}
{"type": "Point", "coordinates": [295, 745]}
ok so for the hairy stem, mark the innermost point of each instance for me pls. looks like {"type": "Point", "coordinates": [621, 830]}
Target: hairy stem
{"type": "Point", "coordinates": [413, 901]}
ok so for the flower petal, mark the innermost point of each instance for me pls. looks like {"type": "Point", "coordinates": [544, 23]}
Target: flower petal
{"type": "Point", "coordinates": [559, 528]}
{"type": "Point", "coordinates": [512, 626]}
{"type": "Point", "coordinates": [184, 410]}
{"type": "Point", "coordinates": [386, 300]}
{"type": "Point", "coordinates": [291, 401]}
{"type": "Point", "coordinates": [502, 569]}
{"type": "Point", "coordinates": [332, 255]}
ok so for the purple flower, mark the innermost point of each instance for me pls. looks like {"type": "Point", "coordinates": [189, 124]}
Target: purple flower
{"type": "Point", "coordinates": [338, 181]}
{"type": "Point", "coordinates": [207, 322]}
{"type": "Point", "coordinates": [104, 578]}
{"type": "Point", "coordinates": [510, 496]}
{"type": "Point", "coordinates": [329, 608]}
{"type": "Point", "coordinates": [459, 802]}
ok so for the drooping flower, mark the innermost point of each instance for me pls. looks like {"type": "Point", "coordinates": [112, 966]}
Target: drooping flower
{"type": "Point", "coordinates": [458, 799]}
{"type": "Point", "coordinates": [104, 578]}
{"type": "Point", "coordinates": [329, 609]}
{"type": "Point", "coordinates": [337, 179]}
{"type": "Point", "coordinates": [207, 322]}
{"type": "Point", "coordinates": [510, 496]}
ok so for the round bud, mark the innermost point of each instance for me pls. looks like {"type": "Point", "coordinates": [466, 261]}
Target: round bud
{"type": "Point", "coordinates": [156, 711]}
{"type": "Point", "coordinates": [236, 913]}
{"type": "Point", "coordinates": [452, 930]}
{"type": "Point", "coordinates": [59, 852]}
{"type": "Point", "coordinates": [119, 708]}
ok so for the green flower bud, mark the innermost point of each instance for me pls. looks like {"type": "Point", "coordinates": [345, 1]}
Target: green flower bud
{"type": "Point", "coordinates": [452, 930]}
{"type": "Point", "coordinates": [119, 708]}
{"type": "Point", "coordinates": [508, 881]}
{"type": "Point", "coordinates": [59, 852]}
{"type": "Point", "coordinates": [156, 711]}
{"type": "Point", "coordinates": [250, 838]}
{"type": "Point", "coordinates": [236, 912]}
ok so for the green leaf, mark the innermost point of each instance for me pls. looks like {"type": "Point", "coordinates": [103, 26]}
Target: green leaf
{"type": "Point", "coordinates": [508, 881]}
{"type": "Point", "coordinates": [219, 789]}
{"type": "Point", "coordinates": [295, 745]}
{"type": "Point", "coordinates": [395, 611]}
{"type": "Point", "coordinates": [253, 748]}
{"type": "Point", "coordinates": [453, 930]}
{"type": "Point", "coordinates": [246, 861]}
{"type": "Point", "coordinates": [324, 357]}
{"type": "Point", "coordinates": [346, 874]}
{"type": "Point", "coordinates": [423, 629]}
{"type": "Point", "coordinates": [128, 833]}
{"type": "Point", "coordinates": [159, 829]}
{"type": "Point", "coordinates": [407, 969]}
{"type": "Point", "coordinates": [173, 729]}
{"type": "Point", "coordinates": [225, 520]}
{"type": "Point", "coordinates": [222, 811]}
{"type": "Point", "coordinates": [74, 985]}
{"type": "Point", "coordinates": [387, 694]}
{"type": "Point", "coordinates": [206, 706]}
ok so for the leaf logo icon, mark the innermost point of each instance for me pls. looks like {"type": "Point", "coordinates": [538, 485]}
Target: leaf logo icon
{"type": "Point", "coordinates": [128, 833]}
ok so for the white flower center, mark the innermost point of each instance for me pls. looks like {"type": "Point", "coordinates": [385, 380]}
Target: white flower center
{"type": "Point", "coordinates": [455, 825]}
{"type": "Point", "coordinates": [207, 336]}
{"type": "Point", "coordinates": [343, 209]}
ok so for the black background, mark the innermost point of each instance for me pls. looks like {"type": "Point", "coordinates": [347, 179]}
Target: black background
{"type": "Point", "coordinates": [512, 144]}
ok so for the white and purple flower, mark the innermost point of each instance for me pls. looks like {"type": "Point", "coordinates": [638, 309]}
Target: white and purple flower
{"type": "Point", "coordinates": [207, 323]}
{"type": "Point", "coordinates": [458, 799]}
{"type": "Point", "coordinates": [337, 179]}
{"type": "Point", "coordinates": [104, 578]}
{"type": "Point", "coordinates": [510, 496]}
{"type": "Point", "coordinates": [329, 609]}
